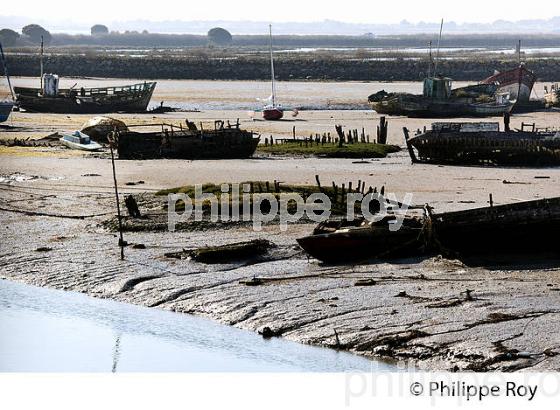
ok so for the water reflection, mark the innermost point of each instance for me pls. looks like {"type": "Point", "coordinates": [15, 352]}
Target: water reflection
{"type": "Point", "coordinates": [48, 330]}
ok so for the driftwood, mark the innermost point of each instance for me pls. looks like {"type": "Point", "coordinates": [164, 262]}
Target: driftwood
{"type": "Point", "coordinates": [51, 140]}
{"type": "Point", "coordinates": [225, 253]}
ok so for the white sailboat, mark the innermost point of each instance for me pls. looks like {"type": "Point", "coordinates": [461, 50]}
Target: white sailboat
{"type": "Point", "coordinates": [272, 111]}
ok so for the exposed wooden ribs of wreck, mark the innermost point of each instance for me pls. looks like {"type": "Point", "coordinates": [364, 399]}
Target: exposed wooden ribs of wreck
{"type": "Point", "coordinates": [171, 141]}
{"type": "Point", "coordinates": [484, 144]}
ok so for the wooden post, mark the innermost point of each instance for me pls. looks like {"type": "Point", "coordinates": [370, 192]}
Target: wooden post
{"type": "Point", "coordinates": [382, 131]}
{"type": "Point", "coordinates": [132, 207]}
{"type": "Point", "coordinates": [491, 201]}
{"type": "Point", "coordinates": [340, 132]}
{"type": "Point", "coordinates": [294, 132]}
{"type": "Point", "coordinates": [121, 240]}
{"type": "Point", "coordinates": [413, 158]}
{"type": "Point", "coordinates": [318, 182]}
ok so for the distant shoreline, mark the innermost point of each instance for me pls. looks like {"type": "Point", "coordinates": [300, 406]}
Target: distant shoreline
{"type": "Point", "coordinates": [315, 67]}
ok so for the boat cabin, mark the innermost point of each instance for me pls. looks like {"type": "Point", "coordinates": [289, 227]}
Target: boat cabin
{"type": "Point", "coordinates": [437, 87]}
{"type": "Point", "coordinates": [50, 85]}
{"type": "Point", "coordinates": [78, 138]}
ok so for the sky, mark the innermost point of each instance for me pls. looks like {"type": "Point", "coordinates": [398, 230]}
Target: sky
{"type": "Point", "coordinates": [352, 11]}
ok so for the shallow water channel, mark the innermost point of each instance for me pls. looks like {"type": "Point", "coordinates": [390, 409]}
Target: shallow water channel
{"type": "Point", "coordinates": [45, 330]}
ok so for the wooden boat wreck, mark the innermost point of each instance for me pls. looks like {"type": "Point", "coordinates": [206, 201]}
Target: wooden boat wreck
{"type": "Point", "coordinates": [171, 141]}
{"type": "Point", "coordinates": [342, 241]}
{"type": "Point", "coordinates": [50, 99]}
{"type": "Point", "coordinates": [439, 100]}
{"type": "Point", "coordinates": [460, 143]}
{"type": "Point", "coordinates": [520, 228]}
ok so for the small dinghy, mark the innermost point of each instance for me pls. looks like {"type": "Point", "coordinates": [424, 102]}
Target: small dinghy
{"type": "Point", "coordinates": [79, 140]}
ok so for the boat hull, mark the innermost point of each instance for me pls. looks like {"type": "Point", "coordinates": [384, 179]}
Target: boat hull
{"type": "Point", "coordinates": [130, 99]}
{"type": "Point", "coordinates": [421, 107]}
{"type": "Point", "coordinates": [510, 229]}
{"type": "Point", "coordinates": [492, 232]}
{"type": "Point", "coordinates": [486, 148]}
{"type": "Point", "coordinates": [92, 146]}
{"type": "Point", "coordinates": [518, 83]}
{"type": "Point", "coordinates": [218, 144]}
{"type": "Point", "coordinates": [5, 110]}
{"type": "Point", "coordinates": [359, 244]}
{"type": "Point", "coordinates": [273, 114]}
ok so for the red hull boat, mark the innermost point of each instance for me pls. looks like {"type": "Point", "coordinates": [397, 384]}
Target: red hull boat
{"type": "Point", "coordinates": [272, 114]}
{"type": "Point", "coordinates": [517, 82]}
{"type": "Point", "coordinates": [272, 111]}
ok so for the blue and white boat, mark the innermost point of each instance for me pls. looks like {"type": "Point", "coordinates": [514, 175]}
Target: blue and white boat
{"type": "Point", "coordinates": [5, 109]}
{"type": "Point", "coordinates": [79, 140]}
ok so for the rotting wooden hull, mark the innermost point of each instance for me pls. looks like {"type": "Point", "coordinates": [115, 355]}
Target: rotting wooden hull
{"type": "Point", "coordinates": [529, 227]}
{"type": "Point", "coordinates": [217, 144]}
{"type": "Point", "coordinates": [131, 99]}
{"type": "Point", "coordinates": [362, 243]}
{"type": "Point", "coordinates": [423, 107]}
{"type": "Point", "coordinates": [516, 148]}
{"type": "Point", "coordinates": [519, 228]}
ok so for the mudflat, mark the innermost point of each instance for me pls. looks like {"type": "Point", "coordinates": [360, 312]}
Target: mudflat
{"type": "Point", "coordinates": [54, 204]}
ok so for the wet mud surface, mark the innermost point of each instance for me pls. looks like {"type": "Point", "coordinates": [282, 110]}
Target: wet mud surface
{"type": "Point", "coordinates": [437, 313]}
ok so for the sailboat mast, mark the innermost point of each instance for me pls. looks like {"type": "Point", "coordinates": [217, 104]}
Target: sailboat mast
{"type": "Point", "coordinates": [272, 68]}
{"type": "Point", "coordinates": [6, 72]}
{"type": "Point", "coordinates": [41, 62]}
{"type": "Point", "coordinates": [431, 62]}
{"type": "Point", "coordinates": [438, 44]}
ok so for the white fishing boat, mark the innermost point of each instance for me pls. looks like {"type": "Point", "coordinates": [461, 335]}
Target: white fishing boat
{"type": "Point", "coordinates": [79, 140]}
{"type": "Point", "coordinates": [7, 104]}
